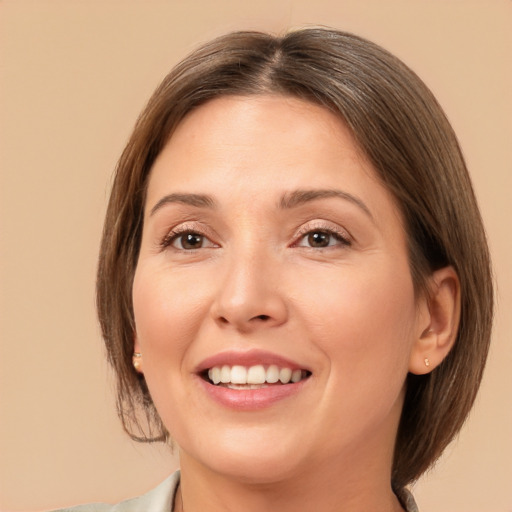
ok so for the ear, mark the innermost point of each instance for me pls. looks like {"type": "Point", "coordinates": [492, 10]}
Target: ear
{"type": "Point", "coordinates": [438, 322]}
{"type": "Point", "coordinates": [137, 355]}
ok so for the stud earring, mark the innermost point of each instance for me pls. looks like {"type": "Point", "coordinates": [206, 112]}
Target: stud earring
{"type": "Point", "coordinates": [136, 360]}
{"type": "Point", "coordinates": [427, 362]}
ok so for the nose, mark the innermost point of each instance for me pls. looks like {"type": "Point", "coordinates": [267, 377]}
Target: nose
{"type": "Point", "coordinates": [250, 293]}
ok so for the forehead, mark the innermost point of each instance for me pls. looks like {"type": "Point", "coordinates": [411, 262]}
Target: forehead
{"type": "Point", "coordinates": [244, 117]}
{"type": "Point", "coordinates": [258, 145]}
{"type": "Point", "coordinates": [282, 128]}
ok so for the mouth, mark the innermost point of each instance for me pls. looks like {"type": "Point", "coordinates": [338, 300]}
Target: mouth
{"type": "Point", "coordinates": [257, 376]}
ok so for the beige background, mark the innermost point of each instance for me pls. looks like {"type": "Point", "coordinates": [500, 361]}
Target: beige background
{"type": "Point", "coordinates": [74, 75]}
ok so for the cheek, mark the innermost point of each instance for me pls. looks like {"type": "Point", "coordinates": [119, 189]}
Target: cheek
{"type": "Point", "coordinates": [365, 326]}
{"type": "Point", "coordinates": [167, 312]}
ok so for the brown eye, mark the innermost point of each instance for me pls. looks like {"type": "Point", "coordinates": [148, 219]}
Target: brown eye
{"type": "Point", "coordinates": [188, 241]}
{"type": "Point", "coordinates": [319, 239]}
{"type": "Point", "coordinates": [322, 238]}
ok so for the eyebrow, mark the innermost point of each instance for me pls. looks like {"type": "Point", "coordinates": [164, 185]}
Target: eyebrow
{"type": "Point", "coordinates": [288, 200]}
{"type": "Point", "coordinates": [300, 197]}
{"type": "Point", "coordinates": [198, 200]}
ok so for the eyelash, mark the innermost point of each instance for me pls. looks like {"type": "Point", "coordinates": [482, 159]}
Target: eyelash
{"type": "Point", "coordinates": [178, 232]}
{"type": "Point", "coordinates": [339, 235]}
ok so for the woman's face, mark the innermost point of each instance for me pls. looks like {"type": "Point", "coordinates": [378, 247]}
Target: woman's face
{"type": "Point", "coordinates": [271, 249]}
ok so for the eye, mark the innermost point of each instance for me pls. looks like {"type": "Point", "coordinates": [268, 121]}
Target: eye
{"type": "Point", "coordinates": [186, 240]}
{"type": "Point", "coordinates": [321, 238]}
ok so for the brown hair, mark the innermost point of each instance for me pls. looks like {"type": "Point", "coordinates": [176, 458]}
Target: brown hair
{"type": "Point", "coordinates": [403, 131]}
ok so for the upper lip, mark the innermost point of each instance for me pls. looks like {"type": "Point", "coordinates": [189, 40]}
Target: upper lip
{"type": "Point", "coordinates": [248, 358]}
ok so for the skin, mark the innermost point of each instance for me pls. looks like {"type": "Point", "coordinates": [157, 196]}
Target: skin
{"type": "Point", "coordinates": [347, 312]}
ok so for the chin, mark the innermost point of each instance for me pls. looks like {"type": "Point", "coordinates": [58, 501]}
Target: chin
{"type": "Point", "coordinates": [256, 471]}
{"type": "Point", "coordinates": [247, 457]}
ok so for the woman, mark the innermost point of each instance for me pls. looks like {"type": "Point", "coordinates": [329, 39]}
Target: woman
{"type": "Point", "coordinates": [294, 283]}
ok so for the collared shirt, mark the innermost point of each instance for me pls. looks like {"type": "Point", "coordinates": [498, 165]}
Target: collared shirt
{"type": "Point", "coordinates": [161, 499]}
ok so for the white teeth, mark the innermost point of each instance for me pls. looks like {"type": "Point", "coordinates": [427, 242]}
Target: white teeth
{"type": "Point", "coordinates": [285, 375]}
{"type": "Point", "coordinates": [256, 375]}
{"type": "Point", "coordinates": [225, 374]}
{"type": "Point", "coordinates": [238, 375]}
{"type": "Point", "coordinates": [214, 374]}
{"type": "Point", "coordinates": [296, 375]}
{"type": "Point", "coordinates": [253, 377]}
{"type": "Point", "coordinates": [246, 386]}
{"type": "Point", "coordinates": [272, 374]}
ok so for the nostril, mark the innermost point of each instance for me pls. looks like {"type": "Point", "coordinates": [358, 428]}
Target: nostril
{"type": "Point", "coordinates": [262, 317]}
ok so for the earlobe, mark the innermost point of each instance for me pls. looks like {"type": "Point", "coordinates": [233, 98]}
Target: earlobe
{"type": "Point", "coordinates": [438, 322]}
{"type": "Point", "coordinates": [137, 355]}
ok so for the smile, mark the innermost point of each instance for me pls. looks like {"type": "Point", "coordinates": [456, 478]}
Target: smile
{"type": "Point", "coordinates": [251, 380]}
{"type": "Point", "coordinates": [254, 377]}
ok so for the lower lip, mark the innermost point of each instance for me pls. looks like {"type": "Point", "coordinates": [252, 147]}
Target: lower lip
{"type": "Point", "coordinates": [251, 399]}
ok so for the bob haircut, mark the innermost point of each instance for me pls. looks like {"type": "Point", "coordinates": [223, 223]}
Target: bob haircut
{"type": "Point", "coordinates": [399, 126]}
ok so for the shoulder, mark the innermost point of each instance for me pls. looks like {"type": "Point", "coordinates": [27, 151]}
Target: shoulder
{"type": "Point", "coordinates": [159, 499]}
{"type": "Point", "coordinates": [407, 500]}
